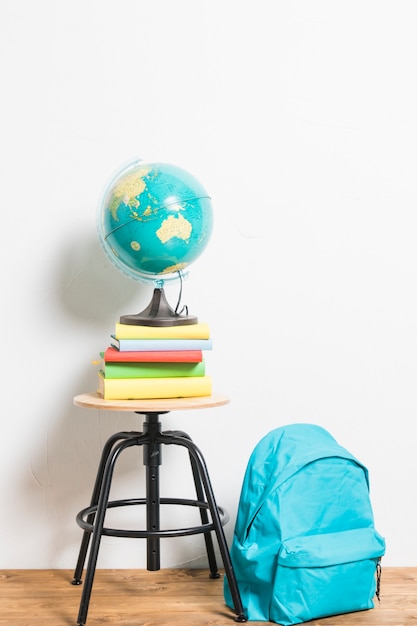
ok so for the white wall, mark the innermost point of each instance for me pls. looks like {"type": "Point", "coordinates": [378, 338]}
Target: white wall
{"type": "Point", "coordinates": [300, 119]}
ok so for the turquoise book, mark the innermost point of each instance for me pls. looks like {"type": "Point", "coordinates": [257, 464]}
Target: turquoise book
{"type": "Point", "coordinates": [161, 344]}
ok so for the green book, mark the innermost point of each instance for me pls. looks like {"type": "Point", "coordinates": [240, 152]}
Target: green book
{"type": "Point", "coordinates": [152, 370]}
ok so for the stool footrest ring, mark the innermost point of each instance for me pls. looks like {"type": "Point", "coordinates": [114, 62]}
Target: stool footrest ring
{"type": "Point", "coordinates": [174, 532]}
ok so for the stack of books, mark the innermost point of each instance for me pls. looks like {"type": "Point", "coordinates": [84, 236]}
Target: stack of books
{"type": "Point", "coordinates": [145, 362]}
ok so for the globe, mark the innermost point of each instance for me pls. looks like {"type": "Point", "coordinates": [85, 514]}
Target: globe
{"type": "Point", "coordinates": [154, 220]}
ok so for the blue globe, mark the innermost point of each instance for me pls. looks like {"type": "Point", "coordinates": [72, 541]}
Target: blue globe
{"type": "Point", "coordinates": [154, 220]}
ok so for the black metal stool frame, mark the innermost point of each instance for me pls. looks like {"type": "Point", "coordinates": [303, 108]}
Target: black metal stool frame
{"type": "Point", "coordinates": [91, 518]}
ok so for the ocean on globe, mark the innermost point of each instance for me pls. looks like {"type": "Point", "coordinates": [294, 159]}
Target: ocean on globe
{"type": "Point", "coordinates": [154, 220]}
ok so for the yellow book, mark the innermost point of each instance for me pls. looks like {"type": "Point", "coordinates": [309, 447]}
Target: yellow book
{"type": "Point", "coordinates": [150, 388]}
{"type": "Point", "coordinates": [186, 331]}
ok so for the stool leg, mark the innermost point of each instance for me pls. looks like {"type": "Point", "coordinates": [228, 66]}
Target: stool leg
{"type": "Point", "coordinates": [152, 512]}
{"type": "Point", "coordinates": [103, 499]}
{"type": "Point", "coordinates": [94, 499]}
{"type": "Point", "coordinates": [214, 511]}
{"type": "Point", "coordinates": [214, 571]}
{"type": "Point", "coordinates": [152, 459]}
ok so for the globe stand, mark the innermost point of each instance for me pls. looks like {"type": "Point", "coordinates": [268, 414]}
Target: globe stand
{"type": "Point", "coordinates": [158, 313]}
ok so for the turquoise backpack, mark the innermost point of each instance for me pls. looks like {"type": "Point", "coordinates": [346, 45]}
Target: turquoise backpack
{"type": "Point", "coordinates": [304, 543]}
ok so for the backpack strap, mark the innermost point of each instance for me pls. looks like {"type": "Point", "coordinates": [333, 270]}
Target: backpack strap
{"type": "Point", "coordinates": [378, 579]}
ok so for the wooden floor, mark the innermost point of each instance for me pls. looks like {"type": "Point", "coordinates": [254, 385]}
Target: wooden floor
{"type": "Point", "coordinates": [169, 597]}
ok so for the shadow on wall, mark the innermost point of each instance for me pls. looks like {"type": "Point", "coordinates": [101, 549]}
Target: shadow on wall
{"type": "Point", "coordinates": [63, 469]}
{"type": "Point", "coordinates": [89, 288]}
{"type": "Point", "coordinates": [62, 462]}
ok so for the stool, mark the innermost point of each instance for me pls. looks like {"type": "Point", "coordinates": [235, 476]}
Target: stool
{"type": "Point", "coordinates": [91, 519]}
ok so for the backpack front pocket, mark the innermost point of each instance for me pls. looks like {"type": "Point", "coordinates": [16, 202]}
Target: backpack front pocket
{"type": "Point", "coordinates": [326, 574]}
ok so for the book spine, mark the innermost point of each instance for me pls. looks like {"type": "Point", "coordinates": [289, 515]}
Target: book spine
{"type": "Point", "coordinates": [153, 370]}
{"type": "Point", "coordinates": [152, 388]}
{"type": "Point", "coordinates": [158, 356]}
{"type": "Point", "coordinates": [161, 344]}
{"type": "Point", "coordinates": [188, 331]}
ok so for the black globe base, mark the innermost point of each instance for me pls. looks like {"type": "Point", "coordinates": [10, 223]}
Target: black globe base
{"type": "Point", "coordinates": [158, 313]}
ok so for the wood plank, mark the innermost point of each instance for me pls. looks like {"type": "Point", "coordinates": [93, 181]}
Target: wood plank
{"type": "Point", "coordinates": [174, 597]}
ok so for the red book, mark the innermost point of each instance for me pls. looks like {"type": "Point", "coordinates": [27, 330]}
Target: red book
{"type": "Point", "coordinates": [157, 356]}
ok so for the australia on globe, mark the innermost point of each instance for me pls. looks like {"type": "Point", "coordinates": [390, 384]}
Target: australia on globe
{"type": "Point", "coordinates": [154, 220]}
